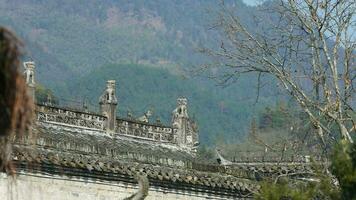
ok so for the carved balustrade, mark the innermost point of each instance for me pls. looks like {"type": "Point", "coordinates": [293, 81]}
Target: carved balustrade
{"type": "Point", "coordinates": [69, 117]}
{"type": "Point", "coordinates": [145, 130]}
{"type": "Point", "coordinates": [136, 129]}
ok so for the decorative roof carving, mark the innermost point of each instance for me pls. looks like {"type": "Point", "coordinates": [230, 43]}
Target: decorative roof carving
{"type": "Point", "coordinates": [109, 95]}
{"type": "Point", "coordinates": [145, 117]}
{"type": "Point", "coordinates": [29, 73]}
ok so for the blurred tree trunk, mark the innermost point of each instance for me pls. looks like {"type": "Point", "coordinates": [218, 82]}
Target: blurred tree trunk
{"type": "Point", "coordinates": [16, 107]}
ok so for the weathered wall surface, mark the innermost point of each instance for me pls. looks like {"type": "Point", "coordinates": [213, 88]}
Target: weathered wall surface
{"type": "Point", "coordinates": [41, 187]}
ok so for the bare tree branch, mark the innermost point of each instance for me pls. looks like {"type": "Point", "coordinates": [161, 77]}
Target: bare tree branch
{"type": "Point", "coordinates": [310, 50]}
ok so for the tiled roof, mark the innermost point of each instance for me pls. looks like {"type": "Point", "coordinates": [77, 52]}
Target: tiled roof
{"type": "Point", "coordinates": [28, 157]}
{"type": "Point", "coordinates": [101, 143]}
{"type": "Point", "coordinates": [90, 153]}
{"type": "Point", "coordinates": [77, 152]}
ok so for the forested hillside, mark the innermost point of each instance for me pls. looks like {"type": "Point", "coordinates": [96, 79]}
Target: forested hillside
{"type": "Point", "coordinates": [220, 113]}
{"type": "Point", "coordinates": [149, 47]}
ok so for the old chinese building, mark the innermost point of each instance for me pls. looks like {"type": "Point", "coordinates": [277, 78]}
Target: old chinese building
{"type": "Point", "coordinates": [77, 154]}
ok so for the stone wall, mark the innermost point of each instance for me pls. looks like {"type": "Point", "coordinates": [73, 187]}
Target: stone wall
{"type": "Point", "coordinates": [37, 186]}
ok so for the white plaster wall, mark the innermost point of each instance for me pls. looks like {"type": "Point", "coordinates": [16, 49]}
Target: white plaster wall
{"type": "Point", "coordinates": [41, 187]}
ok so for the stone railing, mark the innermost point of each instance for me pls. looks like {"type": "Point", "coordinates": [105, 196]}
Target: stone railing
{"type": "Point", "coordinates": [69, 117]}
{"type": "Point", "coordinates": [145, 131]}
{"type": "Point", "coordinates": [88, 120]}
{"type": "Point", "coordinates": [274, 159]}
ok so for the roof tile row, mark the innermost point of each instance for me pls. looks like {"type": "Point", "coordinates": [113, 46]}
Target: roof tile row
{"type": "Point", "coordinates": [174, 175]}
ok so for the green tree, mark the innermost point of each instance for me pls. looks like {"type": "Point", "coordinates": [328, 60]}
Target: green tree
{"type": "Point", "coordinates": [324, 185]}
{"type": "Point", "coordinates": [344, 168]}
{"type": "Point", "coordinates": [44, 95]}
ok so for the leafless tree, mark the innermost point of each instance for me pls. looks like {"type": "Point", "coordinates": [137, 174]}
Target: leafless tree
{"type": "Point", "coordinates": [308, 46]}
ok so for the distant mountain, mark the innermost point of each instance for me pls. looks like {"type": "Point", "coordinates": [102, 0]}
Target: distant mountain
{"type": "Point", "coordinates": [75, 36]}
{"type": "Point", "coordinates": [75, 42]}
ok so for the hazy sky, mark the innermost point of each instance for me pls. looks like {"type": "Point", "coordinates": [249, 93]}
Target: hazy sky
{"type": "Point", "coordinates": [252, 2]}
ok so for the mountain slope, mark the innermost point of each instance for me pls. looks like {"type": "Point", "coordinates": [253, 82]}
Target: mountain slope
{"type": "Point", "coordinates": [73, 43]}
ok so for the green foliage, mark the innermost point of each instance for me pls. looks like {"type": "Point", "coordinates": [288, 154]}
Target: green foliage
{"type": "Point", "coordinates": [206, 154]}
{"type": "Point", "coordinates": [44, 94]}
{"type": "Point", "coordinates": [343, 167]}
{"type": "Point", "coordinates": [282, 191]}
{"type": "Point", "coordinates": [280, 131]}
{"type": "Point", "coordinates": [279, 116]}
{"type": "Point", "coordinates": [288, 189]}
